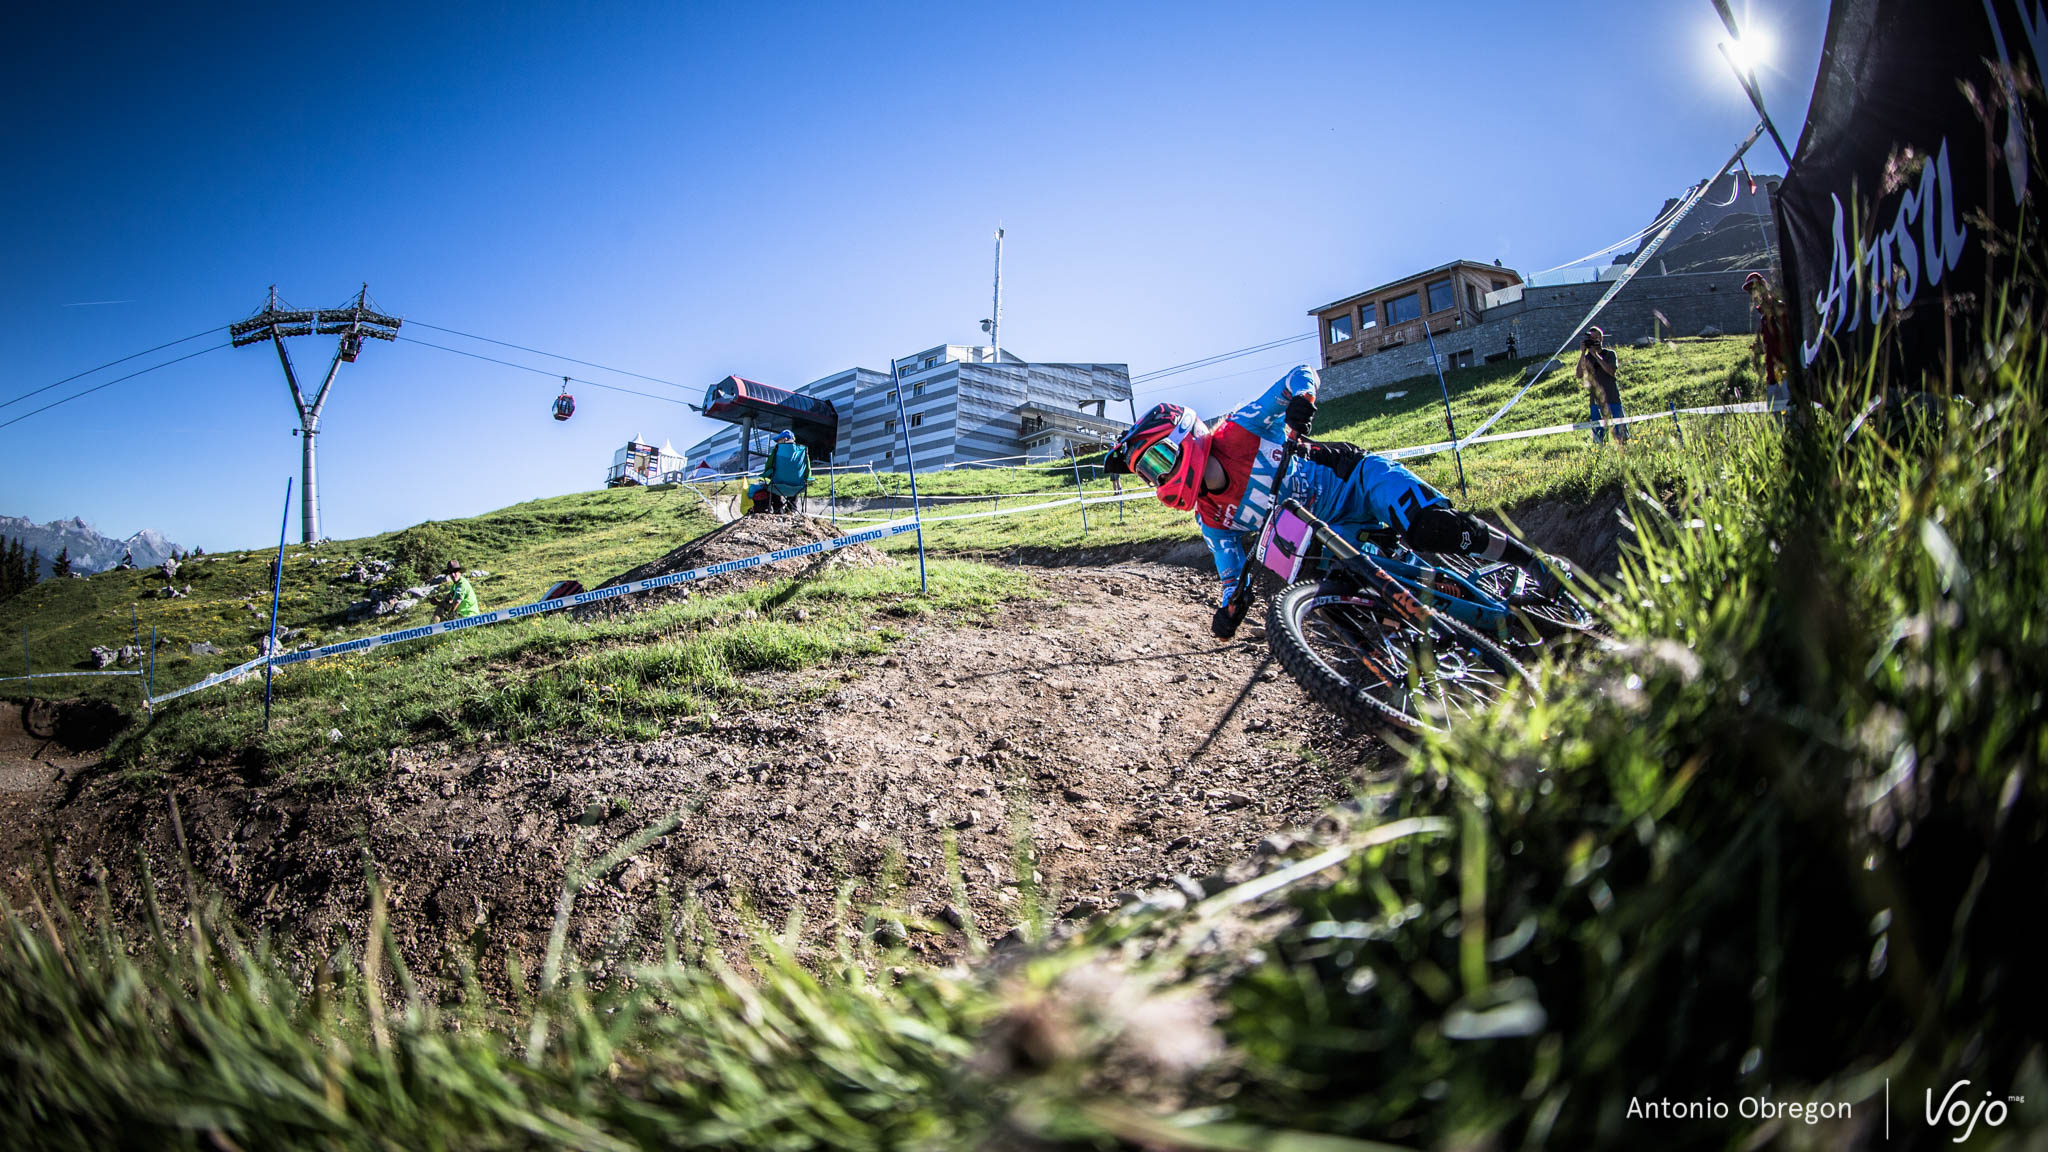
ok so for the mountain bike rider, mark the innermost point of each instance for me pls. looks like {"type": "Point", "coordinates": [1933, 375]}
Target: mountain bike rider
{"type": "Point", "coordinates": [1226, 477]}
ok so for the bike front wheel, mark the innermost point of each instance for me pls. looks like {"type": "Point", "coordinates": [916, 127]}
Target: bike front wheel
{"type": "Point", "coordinates": [1352, 653]}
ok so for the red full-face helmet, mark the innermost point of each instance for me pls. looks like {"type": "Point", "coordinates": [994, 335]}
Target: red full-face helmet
{"type": "Point", "coordinates": [1167, 448]}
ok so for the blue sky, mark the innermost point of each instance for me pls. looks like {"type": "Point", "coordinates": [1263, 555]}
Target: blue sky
{"type": "Point", "coordinates": [687, 191]}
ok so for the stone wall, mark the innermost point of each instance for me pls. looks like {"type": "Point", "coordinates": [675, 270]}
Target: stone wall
{"type": "Point", "coordinates": [1544, 318]}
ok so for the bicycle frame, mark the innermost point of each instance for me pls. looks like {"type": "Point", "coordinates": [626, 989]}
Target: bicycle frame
{"type": "Point", "coordinates": [1453, 593]}
{"type": "Point", "coordinates": [1369, 568]}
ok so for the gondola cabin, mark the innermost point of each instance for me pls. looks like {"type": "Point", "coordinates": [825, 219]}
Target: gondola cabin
{"type": "Point", "coordinates": [642, 464]}
{"type": "Point", "coordinates": [565, 406]}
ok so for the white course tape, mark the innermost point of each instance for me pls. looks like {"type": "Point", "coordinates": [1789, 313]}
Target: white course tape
{"type": "Point", "coordinates": [1135, 494]}
{"type": "Point", "coordinates": [1410, 453]}
{"type": "Point", "coordinates": [237, 671]}
{"type": "Point", "coordinates": [502, 615]}
{"type": "Point", "coordinates": [57, 675]}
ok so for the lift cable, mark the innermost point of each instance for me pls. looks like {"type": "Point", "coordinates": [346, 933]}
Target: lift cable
{"type": "Point", "coordinates": [538, 371]}
{"type": "Point", "coordinates": [539, 352]}
{"type": "Point", "coordinates": [1205, 361]}
{"type": "Point", "coordinates": [108, 364]}
{"type": "Point", "coordinates": [114, 381]}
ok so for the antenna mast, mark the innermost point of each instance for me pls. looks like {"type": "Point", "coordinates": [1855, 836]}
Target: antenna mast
{"type": "Point", "coordinates": [995, 324]}
{"type": "Point", "coordinates": [352, 322]}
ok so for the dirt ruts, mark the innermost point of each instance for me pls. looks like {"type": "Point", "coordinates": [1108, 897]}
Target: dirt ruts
{"type": "Point", "coordinates": [1073, 747]}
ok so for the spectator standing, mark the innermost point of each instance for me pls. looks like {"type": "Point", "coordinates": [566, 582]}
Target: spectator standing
{"type": "Point", "coordinates": [1769, 348]}
{"type": "Point", "coordinates": [1601, 375]}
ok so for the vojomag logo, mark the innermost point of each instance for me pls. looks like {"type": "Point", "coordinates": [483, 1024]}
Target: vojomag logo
{"type": "Point", "coordinates": [1962, 1114]}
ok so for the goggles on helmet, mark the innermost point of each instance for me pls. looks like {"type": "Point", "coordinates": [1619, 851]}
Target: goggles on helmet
{"type": "Point", "coordinates": [1166, 448]}
{"type": "Point", "coordinates": [1157, 462]}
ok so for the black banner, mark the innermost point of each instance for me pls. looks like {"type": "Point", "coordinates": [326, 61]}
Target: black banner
{"type": "Point", "coordinates": [1916, 137]}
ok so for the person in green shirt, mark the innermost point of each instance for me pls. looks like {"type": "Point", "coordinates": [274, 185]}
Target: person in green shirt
{"type": "Point", "coordinates": [459, 598]}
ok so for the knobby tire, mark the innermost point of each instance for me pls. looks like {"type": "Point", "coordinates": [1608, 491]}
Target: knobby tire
{"type": "Point", "coordinates": [1332, 640]}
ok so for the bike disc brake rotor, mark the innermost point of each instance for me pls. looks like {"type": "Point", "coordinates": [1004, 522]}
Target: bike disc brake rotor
{"type": "Point", "coordinates": [1532, 618]}
{"type": "Point", "coordinates": [1438, 682]}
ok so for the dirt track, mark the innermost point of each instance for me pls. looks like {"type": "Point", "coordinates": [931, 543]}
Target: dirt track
{"type": "Point", "coordinates": [1100, 729]}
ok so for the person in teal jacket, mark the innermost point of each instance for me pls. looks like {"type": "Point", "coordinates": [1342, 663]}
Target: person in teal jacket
{"type": "Point", "coordinates": [786, 476]}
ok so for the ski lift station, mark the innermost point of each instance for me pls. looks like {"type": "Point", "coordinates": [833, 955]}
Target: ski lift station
{"type": "Point", "coordinates": [965, 404]}
{"type": "Point", "coordinates": [641, 463]}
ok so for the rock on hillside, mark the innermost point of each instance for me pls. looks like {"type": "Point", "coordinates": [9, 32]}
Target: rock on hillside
{"type": "Point", "coordinates": [90, 551]}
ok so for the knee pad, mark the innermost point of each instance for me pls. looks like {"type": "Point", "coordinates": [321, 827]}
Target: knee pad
{"type": "Point", "coordinates": [1441, 528]}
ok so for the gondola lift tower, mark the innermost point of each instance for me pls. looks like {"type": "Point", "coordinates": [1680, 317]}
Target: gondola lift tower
{"type": "Point", "coordinates": [351, 322]}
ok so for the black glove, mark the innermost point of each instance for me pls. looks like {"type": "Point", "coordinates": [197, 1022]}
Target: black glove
{"type": "Point", "coordinates": [1301, 412]}
{"type": "Point", "coordinates": [1228, 617]}
{"type": "Point", "coordinates": [1337, 456]}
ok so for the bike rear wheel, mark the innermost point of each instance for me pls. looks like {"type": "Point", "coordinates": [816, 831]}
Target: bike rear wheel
{"type": "Point", "coordinates": [1356, 656]}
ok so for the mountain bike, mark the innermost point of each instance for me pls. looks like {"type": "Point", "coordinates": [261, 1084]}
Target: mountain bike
{"type": "Point", "coordinates": [1389, 636]}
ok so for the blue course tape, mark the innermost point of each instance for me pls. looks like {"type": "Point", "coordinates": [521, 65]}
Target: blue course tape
{"type": "Point", "coordinates": [502, 615]}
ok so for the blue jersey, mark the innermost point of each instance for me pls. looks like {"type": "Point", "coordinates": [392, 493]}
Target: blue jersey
{"type": "Point", "coordinates": [1247, 444]}
{"type": "Point", "coordinates": [1378, 494]}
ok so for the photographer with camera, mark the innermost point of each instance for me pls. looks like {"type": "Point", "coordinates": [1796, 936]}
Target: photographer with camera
{"type": "Point", "coordinates": [1598, 371]}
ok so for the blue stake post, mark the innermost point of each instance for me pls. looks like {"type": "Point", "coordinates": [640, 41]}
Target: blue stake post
{"type": "Point", "coordinates": [1080, 496]}
{"type": "Point", "coordinates": [1449, 423]}
{"type": "Point", "coordinates": [909, 462]}
{"type": "Point", "coordinates": [276, 591]}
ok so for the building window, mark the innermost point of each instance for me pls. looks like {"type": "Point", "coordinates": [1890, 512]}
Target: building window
{"type": "Point", "coordinates": [1368, 316]}
{"type": "Point", "coordinates": [917, 390]}
{"type": "Point", "coordinates": [888, 456]}
{"type": "Point", "coordinates": [931, 361]}
{"type": "Point", "coordinates": [1340, 329]}
{"type": "Point", "coordinates": [917, 420]}
{"type": "Point", "coordinates": [1472, 294]}
{"type": "Point", "coordinates": [1499, 284]}
{"type": "Point", "coordinates": [1441, 296]}
{"type": "Point", "coordinates": [1402, 309]}
{"type": "Point", "coordinates": [889, 425]}
{"type": "Point", "coordinates": [892, 395]}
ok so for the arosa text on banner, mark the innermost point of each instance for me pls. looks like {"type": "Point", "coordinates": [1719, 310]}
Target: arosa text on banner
{"type": "Point", "coordinates": [1914, 133]}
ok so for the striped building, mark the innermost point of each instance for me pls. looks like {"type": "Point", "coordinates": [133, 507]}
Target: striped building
{"type": "Point", "coordinates": [964, 404]}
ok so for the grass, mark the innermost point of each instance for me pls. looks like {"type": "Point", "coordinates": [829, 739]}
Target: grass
{"type": "Point", "coordinates": [588, 536]}
{"type": "Point", "coordinates": [1685, 373]}
{"type": "Point", "coordinates": [637, 676]}
{"type": "Point", "coordinates": [1781, 839]}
